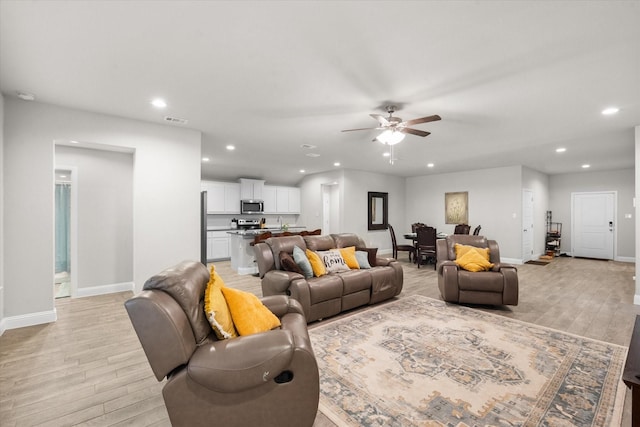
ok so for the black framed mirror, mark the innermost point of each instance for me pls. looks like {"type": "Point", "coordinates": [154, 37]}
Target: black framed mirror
{"type": "Point", "coordinates": [378, 210]}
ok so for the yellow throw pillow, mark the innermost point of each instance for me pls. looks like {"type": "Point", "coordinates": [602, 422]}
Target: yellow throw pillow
{"type": "Point", "coordinates": [349, 256]}
{"type": "Point", "coordinates": [474, 261]}
{"type": "Point", "coordinates": [249, 315]}
{"type": "Point", "coordinates": [463, 249]}
{"type": "Point", "coordinates": [216, 309]}
{"type": "Point", "coordinates": [316, 263]}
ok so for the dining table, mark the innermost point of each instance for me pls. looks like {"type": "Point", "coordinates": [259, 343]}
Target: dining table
{"type": "Point", "coordinates": [414, 238]}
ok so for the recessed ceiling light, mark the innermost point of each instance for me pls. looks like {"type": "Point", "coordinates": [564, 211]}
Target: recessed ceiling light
{"type": "Point", "coordinates": [63, 176]}
{"type": "Point", "coordinates": [336, 164]}
{"type": "Point", "coordinates": [159, 103]}
{"type": "Point", "coordinates": [205, 159]}
{"type": "Point", "coordinates": [585, 166]}
{"type": "Point", "coordinates": [26, 96]}
{"type": "Point", "coordinates": [302, 171]}
{"type": "Point", "coordinates": [73, 141]}
{"type": "Point", "coordinates": [313, 155]}
{"type": "Point", "coordinates": [386, 154]}
{"type": "Point", "coordinates": [610, 110]}
{"type": "Point", "coordinates": [430, 165]}
{"type": "Point", "coordinates": [308, 146]}
{"type": "Point", "coordinates": [561, 150]}
{"type": "Point", "coordinates": [231, 147]}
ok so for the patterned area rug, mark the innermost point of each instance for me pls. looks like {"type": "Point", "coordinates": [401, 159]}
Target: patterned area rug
{"type": "Point", "coordinates": [418, 361]}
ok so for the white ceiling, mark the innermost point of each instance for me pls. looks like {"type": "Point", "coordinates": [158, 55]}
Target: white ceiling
{"type": "Point", "coordinates": [512, 80]}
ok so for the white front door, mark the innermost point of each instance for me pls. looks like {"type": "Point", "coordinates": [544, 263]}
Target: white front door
{"type": "Point", "coordinates": [593, 216]}
{"type": "Point", "coordinates": [527, 225]}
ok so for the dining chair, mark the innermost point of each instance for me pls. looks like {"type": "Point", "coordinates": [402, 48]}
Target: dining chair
{"type": "Point", "coordinates": [462, 229]}
{"type": "Point", "coordinates": [415, 225]}
{"type": "Point", "coordinates": [426, 245]}
{"type": "Point", "coordinates": [404, 248]}
{"type": "Point", "coordinates": [476, 231]}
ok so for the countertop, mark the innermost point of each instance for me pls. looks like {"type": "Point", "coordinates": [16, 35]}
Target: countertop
{"type": "Point", "coordinates": [255, 231]}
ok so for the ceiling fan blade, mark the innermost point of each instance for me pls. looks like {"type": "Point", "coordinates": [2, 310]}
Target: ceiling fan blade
{"type": "Point", "coordinates": [351, 130]}
{"type": "Point", "coordinates": [383, 120]}
{"type": "Point", "coordinates": [415, 131]}
{"type": "Point", "coordinates": [433, 118]}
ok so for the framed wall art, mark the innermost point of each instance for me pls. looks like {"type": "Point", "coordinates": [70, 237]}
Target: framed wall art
{"type": "Point", "coordinates": [456, 207]}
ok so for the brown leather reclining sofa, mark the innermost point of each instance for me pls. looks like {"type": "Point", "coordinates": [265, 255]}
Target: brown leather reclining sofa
{"type": "Point", "coordinates": [265, 379]}
{"type": "Point", "coordinates": [333, 293]}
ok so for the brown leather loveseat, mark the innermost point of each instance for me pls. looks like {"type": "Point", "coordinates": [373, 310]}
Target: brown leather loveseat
{"type": "Point", "coordinates": [333, 293]}
{"type": "Point", "coordinates": [265, 379]}
{"type": "Point", "coordinates": [498, 286]}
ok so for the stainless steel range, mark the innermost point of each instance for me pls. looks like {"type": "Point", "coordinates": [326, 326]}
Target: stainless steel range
{"type": "Point", "coordinates": [248, 224]}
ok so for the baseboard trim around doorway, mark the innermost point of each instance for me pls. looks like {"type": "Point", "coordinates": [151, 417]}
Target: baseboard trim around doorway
{"type": "Point", "coordinates": [104, 289]}
{"type": "Point", "coordinates": [29, 319]}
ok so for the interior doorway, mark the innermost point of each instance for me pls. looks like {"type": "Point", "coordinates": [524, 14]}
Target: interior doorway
{"type": "Point", "coordinates": [527, 225]}
{"type": "Point", "coordinates": [62, 275]}
{"type": "Point", "coordinates": [330, 208]}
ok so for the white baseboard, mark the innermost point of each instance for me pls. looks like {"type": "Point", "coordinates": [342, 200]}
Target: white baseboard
{"type": "Point", "coordinates": [39, 318]}
{"type": "Point", "coordinates": [104, 289]}
{"type": "Point", "coordinates": [30, 319]}
{"type": "Point", "coordinates": [626, 259]}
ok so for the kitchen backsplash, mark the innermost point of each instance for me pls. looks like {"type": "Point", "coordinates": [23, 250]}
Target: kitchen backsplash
{"type": "Point", "coordinates": [224, 221]}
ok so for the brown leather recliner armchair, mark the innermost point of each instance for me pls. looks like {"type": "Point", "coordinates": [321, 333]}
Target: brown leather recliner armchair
{"type": "Point", "coordinates": [266, 379]}
{"type": "Point", "coordinates": [499, 286]}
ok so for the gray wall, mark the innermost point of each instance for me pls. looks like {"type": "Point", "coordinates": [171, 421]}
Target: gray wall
{"type": "Point", "coordinates": [495, 203]}
{"type": "Point", "coordinates": [620, 181]}
{"type": "Point", "coordinates": [104, 214]}
{"type": "Point", "coordinates": [353, 187]}
{"type": "Point", "coordinates": [166, 197]}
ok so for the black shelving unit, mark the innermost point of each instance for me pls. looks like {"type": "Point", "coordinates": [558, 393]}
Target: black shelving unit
{"type": "Point", "coordinates": [553, 238]}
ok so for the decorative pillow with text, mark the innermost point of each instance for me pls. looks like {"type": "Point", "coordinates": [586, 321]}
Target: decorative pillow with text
{"type": "Point", "coordinates": [333, 261]}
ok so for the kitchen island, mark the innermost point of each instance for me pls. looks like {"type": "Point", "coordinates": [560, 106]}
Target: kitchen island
{"type": "Point", "coordinates": [243, 260]}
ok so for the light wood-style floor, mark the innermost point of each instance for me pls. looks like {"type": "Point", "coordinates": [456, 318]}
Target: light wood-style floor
{"type": "Point", "coordinates": [88, 367]}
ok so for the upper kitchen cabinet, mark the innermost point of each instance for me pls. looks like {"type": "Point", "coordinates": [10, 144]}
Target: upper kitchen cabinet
{"type": "Point", "coordinates": [251, 189]}
{"type": "Point", "coordinates": [269, 198]}
{"type": "Point", "coordinates": [281, 200]}
{"type": "Point", "coordinates": [222, 197]}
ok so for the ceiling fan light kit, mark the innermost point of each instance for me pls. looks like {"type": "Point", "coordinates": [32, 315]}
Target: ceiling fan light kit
{"type": "Point", "coordinates": [390, 137]}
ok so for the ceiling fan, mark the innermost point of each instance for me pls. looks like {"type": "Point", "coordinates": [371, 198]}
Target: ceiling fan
{"type": "Point", "coordinates": [393, 125]}
{"type": "Point", "coordinates": [394, 129]}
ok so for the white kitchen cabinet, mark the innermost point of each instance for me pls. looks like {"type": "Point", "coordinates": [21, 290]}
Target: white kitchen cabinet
{"type": "Point", "coordinates": [222, 197]}
{"type": "Point", "coordinates": [269, 198]}
{"type": "Point", "coordinates": [281, 200]}
{"type": "Point", "coordinates": [251, 189]}
{"type": "Point", "coordinates": [294, 200]}
{"type": "Point", "coordinates": [218, 245]}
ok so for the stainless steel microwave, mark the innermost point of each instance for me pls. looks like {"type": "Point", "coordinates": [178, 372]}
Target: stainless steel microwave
{"type": "Point", "coordinates": [251, 207]}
